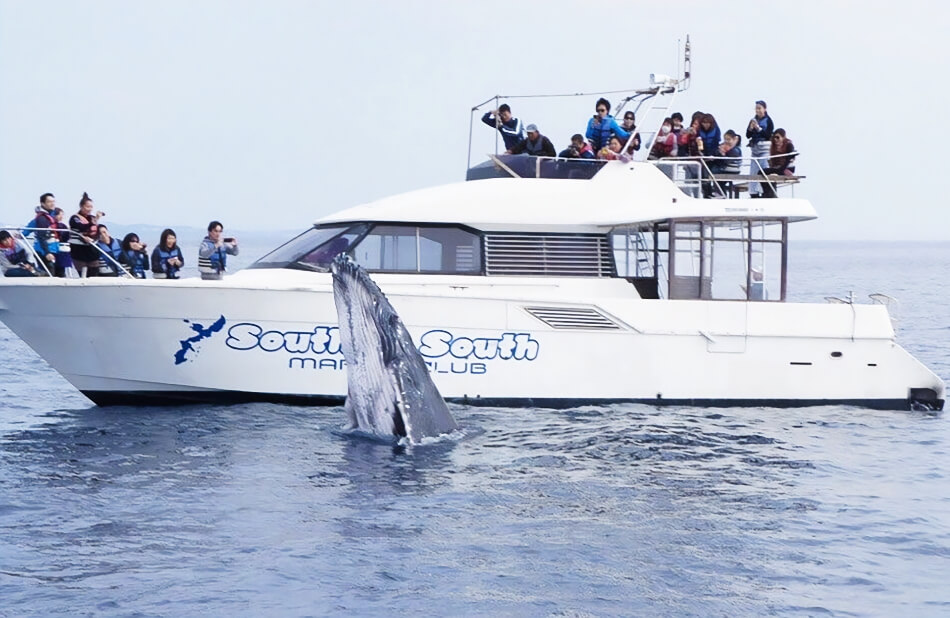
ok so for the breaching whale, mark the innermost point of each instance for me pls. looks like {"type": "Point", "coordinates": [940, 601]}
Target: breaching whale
{"type": "Point", "coordinates": [389, 389]}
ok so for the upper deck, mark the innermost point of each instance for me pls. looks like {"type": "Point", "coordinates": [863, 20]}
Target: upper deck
{"type": "Point", "coordinates": [618, 195]}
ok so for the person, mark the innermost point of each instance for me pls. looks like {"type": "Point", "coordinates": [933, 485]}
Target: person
{"type": "Point", "coordinates": [630, 126]}
{"type": "Point", "coordinates": [664, 144]}
{"type": "Point", "coordinates": [167, 259]}
{"type": "Point", "coordinates": [14, 261]}
{"type": "Point", "coordinates": [84, 233]}
{"type": "Point", "coordinates": [579, 149]}
{"type": "Point", "coordinates": [213, 252]}
{"type": "Point", "coordinates": [536, 145]}
{"type": "Point", "coordinates": [112, 248]}
{"type": "Point", "coordinates": [64, 258]}
{"type": "Point", "coordinates": [707, 141]}
{"type": "Point", "coordinates": [133, 255]}
{"type": "Point", "coordinates": [728, 161]}
{"type": "Point", "coordinates": [781, 161]}
{"type": "Point", "coordinates": [729, 148]}
{"type": "Point", "coordinates": [759, 134]}
{"type": "Point", "coordinates": [613, 151]}
{"type": "Point", "coordinates": [46, 242]}
{"type": "Point", "coordinates": [602, 126]}
{"type": "Point", "coordinates": [510, 127]}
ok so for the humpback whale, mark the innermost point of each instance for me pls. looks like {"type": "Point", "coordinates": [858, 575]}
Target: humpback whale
{"type": "Point", "coordinates": [389, 389]}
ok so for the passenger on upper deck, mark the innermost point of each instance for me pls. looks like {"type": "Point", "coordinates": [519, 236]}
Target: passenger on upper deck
{"type": "Point", "coordinates": [759, 135]}
{"type": "Point", "coordinates": [602, 126]}
{"type": "Point", "coordinates": [613, 151]}
{"type": "Point", "coordinates": [664, 145]}
{"type": "Point", "coordinates": [213, 252]}
{"type": "Point", "coordinates": [84, 233]}
{"type": "Point", "coordinates": [536, 144]}
{"type": "Point", "coordinates": [579, 149]}
{"type": "Point", "coordinates": [14, 261]}
{"type": "Point", "coordinates": [167, 259]}
{"type": "Point", "coordinates": [630, 126]}
{"type": "Point", "coordinates": [781, 161]}
{"type": "Point", "coordinates": [509, 126]}
{"type": "Point", "coordinates": [728, 148]}
{"type": "Point", "coordinates": [710, 135]}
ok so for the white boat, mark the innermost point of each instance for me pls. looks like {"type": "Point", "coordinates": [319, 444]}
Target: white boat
{"type": "Point", "coordinates": [610, 283]}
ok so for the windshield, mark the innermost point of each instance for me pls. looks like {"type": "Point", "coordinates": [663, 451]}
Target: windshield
{"type": "Point", "coordinates": [314, 249]}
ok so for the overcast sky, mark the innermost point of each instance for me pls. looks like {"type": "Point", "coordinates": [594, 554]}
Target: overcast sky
{"type": "Point", "coordinates": [272, 114]}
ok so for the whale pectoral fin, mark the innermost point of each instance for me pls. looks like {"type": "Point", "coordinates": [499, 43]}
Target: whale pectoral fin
{"type": "Point", "coordinates": [399, 425]}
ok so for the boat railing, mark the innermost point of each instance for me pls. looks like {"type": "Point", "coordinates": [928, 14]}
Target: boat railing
{"type": "Point", "coordinates": [18, 234]}
{"type": "Point", "coordinates": [687, 173]}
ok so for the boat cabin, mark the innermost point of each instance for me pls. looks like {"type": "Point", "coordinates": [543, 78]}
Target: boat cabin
{"type": "Point", "coordinates": [628, 221]}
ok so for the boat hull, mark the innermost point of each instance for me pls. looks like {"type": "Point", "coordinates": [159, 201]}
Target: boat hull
{"type": "Point", "coordinates": [487, 342]}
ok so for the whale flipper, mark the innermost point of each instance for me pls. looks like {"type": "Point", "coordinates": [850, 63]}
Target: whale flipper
{"type": "Point", "coordinates": [389, 389]}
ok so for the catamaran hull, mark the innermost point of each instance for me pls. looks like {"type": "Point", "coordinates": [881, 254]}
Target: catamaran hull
{"type": "Point", "coordinates": [143, 343]}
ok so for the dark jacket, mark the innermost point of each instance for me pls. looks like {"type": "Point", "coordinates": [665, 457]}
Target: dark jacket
{"type": "Point", "coordinates": [512, 131]}
{"type": "Point", "coordinates": [764, 134]}
{"type": "Point", "coordinates": [541, 147]}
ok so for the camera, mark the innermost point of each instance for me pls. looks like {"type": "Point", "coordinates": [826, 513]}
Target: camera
{"type": "Point", "coordinates": [229, 239]}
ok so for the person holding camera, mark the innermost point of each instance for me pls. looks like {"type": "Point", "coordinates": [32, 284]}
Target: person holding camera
{"type": "Point", "coordinates": [579, 149]}
{"type": "Point", "coordinates": [133, 255]}
{"type": "Point", "coordinates": [759, 134]}
{"type": "Point", "coordinates": [214, 251]}
{"type": "Point", "coordinates": [509, 126]}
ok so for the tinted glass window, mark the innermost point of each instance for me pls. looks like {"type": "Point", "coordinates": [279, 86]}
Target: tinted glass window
{"type": "Point", "coordinates": [310, 249]}
{"type": "Point", "coordinates": [404, 248]}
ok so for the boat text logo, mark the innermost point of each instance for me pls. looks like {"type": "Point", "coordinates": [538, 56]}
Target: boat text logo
{"type": "Point", "coordinates": [444, 351]}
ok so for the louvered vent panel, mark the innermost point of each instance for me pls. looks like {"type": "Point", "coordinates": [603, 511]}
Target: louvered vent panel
{"type": "Point", "coordinates": [538, 254]}
{"type": "Point", "coordinates": [573, 318]}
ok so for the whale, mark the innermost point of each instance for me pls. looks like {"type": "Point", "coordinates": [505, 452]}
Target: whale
{"type": "Point", "coordinates": [390, 392]}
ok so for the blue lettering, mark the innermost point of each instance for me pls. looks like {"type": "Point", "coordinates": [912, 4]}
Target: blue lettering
{"type": "Point", "coordinates": [435, 343]}
{"type": "Point", "coordinates": [461, 347]}
{"type": "Point", "coordinates": [271, 341]}
{"type": "Point", "coordinates": [243, 336]}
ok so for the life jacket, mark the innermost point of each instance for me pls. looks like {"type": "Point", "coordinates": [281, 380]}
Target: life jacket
{"type": "Point", "coordinates": [41, 234]}
{"type": "Point", "coordinates": [215, 264]}
{"type": "Point", "coordinates": [136, 262]}
{"type": "Point", "coordinates": [85, 227]}
{"type": "Point", "coordinates": [114, 251]}
{"type": "Point", "coordinates": [168, 272]}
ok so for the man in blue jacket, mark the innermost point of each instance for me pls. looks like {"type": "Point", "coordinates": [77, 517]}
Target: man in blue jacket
{"type": "Point", "coordinates": [509, 126]}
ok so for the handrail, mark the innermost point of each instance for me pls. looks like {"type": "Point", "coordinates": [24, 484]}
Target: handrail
{"type": "Point", "coordinates": [42, 262]}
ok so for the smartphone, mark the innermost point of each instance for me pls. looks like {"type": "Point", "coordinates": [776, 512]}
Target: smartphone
{"type": "Point", "coordinates": [228, 240]}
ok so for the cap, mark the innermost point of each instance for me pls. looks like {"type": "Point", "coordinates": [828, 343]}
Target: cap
{"type": "Point", "coordinates": [762, 103]}
{"type": "Point", "coordinates": [531, 128]}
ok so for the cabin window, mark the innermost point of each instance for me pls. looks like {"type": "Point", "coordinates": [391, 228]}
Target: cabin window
{"type": "Point", "coordinates": [405, 248]}
{"type": "Point", "coordinates": [728, 260]}
{"type": "Point", "coordinates": [314, 249]}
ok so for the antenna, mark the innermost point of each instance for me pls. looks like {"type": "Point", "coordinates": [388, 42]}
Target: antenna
{"type": "Point", "coordinates": [687, 67]}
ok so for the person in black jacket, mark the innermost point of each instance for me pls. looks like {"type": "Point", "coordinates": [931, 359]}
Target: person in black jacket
{"type": "Point", "coordinates": [536, 144]}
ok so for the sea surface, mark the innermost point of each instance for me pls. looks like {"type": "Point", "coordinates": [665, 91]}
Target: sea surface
{"type": "Point", "coordinates": [628, 510]}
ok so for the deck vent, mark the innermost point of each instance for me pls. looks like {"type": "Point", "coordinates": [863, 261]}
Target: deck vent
{"type": "Point", "coordinates": [559, 255]}
{"type": "Point", "coordinates": [573, 318]}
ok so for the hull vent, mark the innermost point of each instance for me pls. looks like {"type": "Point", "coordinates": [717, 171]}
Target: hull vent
{"type": "Point", "coordinates": [561, 255]}
{"type": "Point", "coordinates": [573, 318]}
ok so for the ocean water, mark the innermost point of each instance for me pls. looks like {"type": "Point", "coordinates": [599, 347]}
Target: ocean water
{"type": "Point", "coordinates": [266, 509]}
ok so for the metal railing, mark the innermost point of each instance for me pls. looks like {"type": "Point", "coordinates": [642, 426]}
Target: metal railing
{"type": "Point", "coordinates": [23, 241]}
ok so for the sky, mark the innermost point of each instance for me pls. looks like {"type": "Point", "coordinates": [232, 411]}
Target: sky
{"type": "Point", "coordinates": [269, 115]}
